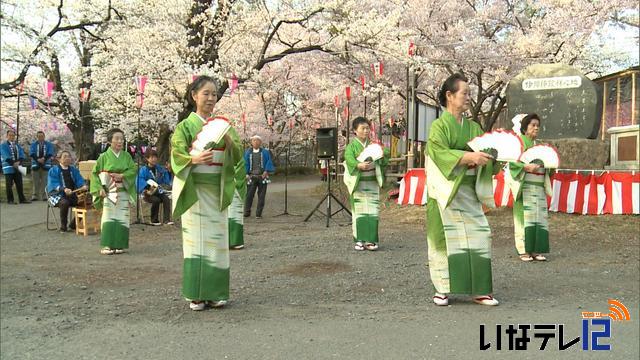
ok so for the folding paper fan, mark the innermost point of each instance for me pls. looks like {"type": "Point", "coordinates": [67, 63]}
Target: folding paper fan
{"type": "Point", "coordinates": [109, 186]}
{"type": "Point", "coordinates": [113, 197]}
{"type": "Point", "coordinates": [153, 186]}
{"type": "Point", "coordinates": [502, 145]}
{"type": "Point", "coordinates": [372, 151]}
{"type": "Point", "coordinates": [105, 179]}
{"type": "Point", "coordinates": [544, 155]}
{"type": "Point", "coordinates": [212, 133]}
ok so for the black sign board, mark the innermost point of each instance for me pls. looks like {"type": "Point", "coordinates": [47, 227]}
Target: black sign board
{"type": "Point", "coordinates": [567, 102]}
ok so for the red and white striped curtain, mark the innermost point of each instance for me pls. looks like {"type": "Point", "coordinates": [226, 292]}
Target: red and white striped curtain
{"type": "Point", "coordinates": [413, 188]}
{"type": "Point", "coordinates": [573, 193]}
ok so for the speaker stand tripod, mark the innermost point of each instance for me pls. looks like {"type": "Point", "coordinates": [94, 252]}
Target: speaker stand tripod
{"type": "Point", "coordinates": [286, 180]}
{"type": "Point", "coordinates": [327, 197]}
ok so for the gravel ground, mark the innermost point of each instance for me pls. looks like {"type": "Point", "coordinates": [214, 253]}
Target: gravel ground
{"type": "Point", "coordinates": [299, 291]}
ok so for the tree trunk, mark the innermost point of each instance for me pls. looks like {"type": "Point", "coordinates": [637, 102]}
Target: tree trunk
{"type": "Point", "coordinates": [163, 145]}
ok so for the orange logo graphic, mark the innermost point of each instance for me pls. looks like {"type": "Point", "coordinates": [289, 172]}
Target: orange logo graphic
{"type": "Point", "coordinates": [618, 312]}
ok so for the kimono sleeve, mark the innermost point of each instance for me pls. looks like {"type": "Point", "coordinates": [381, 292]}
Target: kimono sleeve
{"type": "Point", "coordinates": [440, 151]}
{"type": "Point", "coordinates": [95, 185]}
{"type": "Point", "coordinates": [130, 172]}
{"type": "Point", "coordinates": [180, 158]}
{"type": "Point", "coordinates": [350, 159]}
{"type": "Point", "coordinates": [516, 169]}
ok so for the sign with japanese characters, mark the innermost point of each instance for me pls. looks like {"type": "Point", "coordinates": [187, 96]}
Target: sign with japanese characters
{"type": "Point", "coordinates": [566, 101]}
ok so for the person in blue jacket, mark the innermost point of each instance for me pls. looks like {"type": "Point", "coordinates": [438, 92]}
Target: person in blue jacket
{"type": "Point", "coordinates": [258, 164]}
{"type": "Point", "coordinates": [152, 194]}
{"type": "Point", "coordinates": [62, 180]}
{"type": "Point", "coordinates": [41, 152]}
{"type": "Point", "coordinates": [12, 156]}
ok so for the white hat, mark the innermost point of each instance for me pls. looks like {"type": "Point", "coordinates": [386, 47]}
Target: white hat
{"type": "Point", "coordinates": [256, 137]}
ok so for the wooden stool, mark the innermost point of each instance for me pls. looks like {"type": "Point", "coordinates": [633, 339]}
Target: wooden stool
{"type": "Point", "coordinates": [87, 219]}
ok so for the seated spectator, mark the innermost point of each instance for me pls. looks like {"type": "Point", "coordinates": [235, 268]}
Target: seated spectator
{"type": "Point", "coordinates": [62, 180]}
{"type": "Point", "coordinates": [153, 180]}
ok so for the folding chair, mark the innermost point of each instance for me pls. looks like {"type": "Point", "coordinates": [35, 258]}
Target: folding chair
{"type": "Point", "coordinates": [51, 213]}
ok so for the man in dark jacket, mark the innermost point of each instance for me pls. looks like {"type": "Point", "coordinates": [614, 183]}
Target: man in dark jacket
{"type": "Point", "coordinates": [258, 164]}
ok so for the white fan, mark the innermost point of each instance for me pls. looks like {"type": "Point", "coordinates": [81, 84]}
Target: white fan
{"type": "Point", "coordinates": [373, 151]}
{"type": "Point", "coordinates": [212, 133]}
{"type": "Point", "coordinates": [105, 179]}
{"type": "Point", "coordinates": [109, 185]}
{"type": "Point", "coordinates": [153, 186]}
{"type": "Point", "coordinates": [502, 145]}
{"type": "Point", "coordinates": [541, 154]}
{"type": "Point", "coordinates": [23, 170]}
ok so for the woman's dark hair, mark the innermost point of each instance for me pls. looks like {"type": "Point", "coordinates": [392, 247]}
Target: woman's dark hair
{"type": "Point", "coordinates": [451, 84]}
{"type": "Point", "coordinates": [359, 120]}
{"type": "Point", "coordinates": [527, 120]}
{"type": "Point", "coordinates": [113, 132]}
{"type": "Point", "coordinates": [189, 104]}
{"type": "Point", "coordinates": [150, 153]}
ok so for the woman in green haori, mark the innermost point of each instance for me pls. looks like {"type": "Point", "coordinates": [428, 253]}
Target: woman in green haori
{"type": "Point", "coordinates": [203, 188]}
{"type": "Point", "coordinates": [236, 209]}
{"type": "Point", "coordinates": [364, 180]}
{"type": "Point", "coordinates": [530, 184]}
{"type": "Point", "coordinates": [113, 186]}
{"type": "Point", "coordinates": [459, 181]}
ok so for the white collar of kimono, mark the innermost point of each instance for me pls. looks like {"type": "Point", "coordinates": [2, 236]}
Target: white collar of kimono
{"type": "Point", "coordinates": [117, 154]}
{"type": "Point", "coordinates": [364, 144]}
{"type": "Point", "coordinates": [200, 117]}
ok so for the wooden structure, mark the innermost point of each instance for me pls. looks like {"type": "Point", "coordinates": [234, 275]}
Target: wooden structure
{"type": "Point", "coordinates": [620, 99]}
{"type": "Point", "coordinates": [87, 220]}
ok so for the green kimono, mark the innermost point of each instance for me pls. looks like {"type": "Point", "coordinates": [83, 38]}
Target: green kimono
{"type": "Point", "coordinates": [530, 215]}
{"type": "Point", "coordinates": [114, 228]}
{"type": "Point", "coordinates": [458, 234]}
{"type": "Point", "coordinates": [236, 209]}
{"type": "Point", "coordinates": [364, 192]}
{"type": "Point", "coordinates": [201, 195]}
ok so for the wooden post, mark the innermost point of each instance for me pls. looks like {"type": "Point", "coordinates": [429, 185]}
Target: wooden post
{"type": "Point", "coordinates": [618, 103]}
{"type": "Point", "coordinates": [604, 109]}
{"type": "Point", "coordinates": [633, 98]}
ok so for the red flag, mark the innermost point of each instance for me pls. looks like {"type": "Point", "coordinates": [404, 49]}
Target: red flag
{"type": "Point", "coordinates": [84, 94]}
{"type": "Point", "coordinates": [412, 48]}
{"type": "Point", "coordinates": [291, 123]}
{"type": "Point", "coordinates": [270, 121]}
{"type": "Point", "coordinates": [347, 92]}
{"type": "Point", "coordinates": [141, 83]}
{"type": "Point", "coordinates": [377, 69]}
{"type": "Point", "coordinates": [336, 101]}
{"type": "Point", "coordinates": [362, 79]}
{"type": "Point", "coordinates": [244, 119]}
{"type": "Point", "coordinates": [233, 83]}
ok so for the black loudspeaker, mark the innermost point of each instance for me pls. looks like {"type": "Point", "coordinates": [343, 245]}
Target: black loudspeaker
{"type": "Point", "coordinates": [327, 143]}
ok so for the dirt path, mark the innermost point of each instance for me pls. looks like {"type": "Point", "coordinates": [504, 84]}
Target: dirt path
{"type": "Point", "coordinates": [300, 292]}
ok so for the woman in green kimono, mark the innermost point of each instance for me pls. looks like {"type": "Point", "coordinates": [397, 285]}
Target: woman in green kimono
{"type": "Point", "coordinates": [364, 180]}
{"type": "Point", "coordinates": [236, 209]}
{"type": "Point", "coordinates": [530, 184]}
{"type": "Point", "coordinates": [458, 180]}
{"type": "Point", "coordinates": [113, 186]}
{"type": "Point", "coordinates": [203, 187]}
